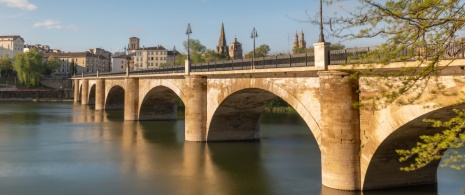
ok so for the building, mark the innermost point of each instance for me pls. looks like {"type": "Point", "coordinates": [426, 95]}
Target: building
{"type": "Point", "coordinates": [299, 45]}
{"type": "Point", "coordinates": [150, 57]}
{"type": "Point", "coordinates": [235, 50]}
{"type": "Point", "coordinates": [134, 44]}
{"type": "Point", "coordinates": [222, 47]}
{"type": "Point", "coordinates": [84, 62]}
{"type": "Point", "coordinates": [121, 60]}
{"type": "Point", "coordinates": [39, 47]}
{"type": "Point", "coordinates": [105, 56]}
{"type": "Point", "coordinates": [11, 45]}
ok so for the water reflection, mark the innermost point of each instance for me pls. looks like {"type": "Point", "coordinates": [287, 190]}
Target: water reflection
{"type": "Point", "coordinates": [77, 150]}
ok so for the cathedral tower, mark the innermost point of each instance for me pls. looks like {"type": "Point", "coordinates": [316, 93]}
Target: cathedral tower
{"type": "Point", "coordinates": [235, 50]}
{"type": "Point", "coordinates": [222, 47]}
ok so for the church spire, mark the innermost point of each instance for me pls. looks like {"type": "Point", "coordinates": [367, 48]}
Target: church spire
{"type": "Point", "coordinates": [222, 47]}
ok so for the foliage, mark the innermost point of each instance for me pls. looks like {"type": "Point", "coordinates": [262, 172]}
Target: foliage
{"type": "Point", "coordinates": [433, 147]}
{"type": "Point", "coordinates": [260, 51]}
{"type": "Point", "coordinates": [52, 64]}
{"type": "Point", "coordinates": [5, 64]}
{"type": "Point", "coordinates": [29, 67]}
{"type": "Point", "coordinates": [211, 56]}
{"type": "Point", "coordinates": [425, 31]}
{"type": "Point", "coordinates": [72, 67]}
{"type": "Point", "coordinates": [195, 46]}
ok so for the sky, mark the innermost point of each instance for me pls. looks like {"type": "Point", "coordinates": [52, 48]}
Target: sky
{"type": "Point", "coordinates": [78, 25]}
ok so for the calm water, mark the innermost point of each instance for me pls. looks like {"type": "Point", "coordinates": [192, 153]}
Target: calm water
{"type": "Point", "coordinates": [60, 148]}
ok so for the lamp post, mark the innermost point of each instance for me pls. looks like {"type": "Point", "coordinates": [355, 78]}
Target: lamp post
{"type": "Point", "coordinates": [253, 35]}
{"type": "Point", "coordinates": [188, 32]}
{"type": "Point", "coordinates": [188, 62]}
{"type": "Point", "coordinates": [174, 54]}
{"type": "Point", "coordinates": [322, 37]}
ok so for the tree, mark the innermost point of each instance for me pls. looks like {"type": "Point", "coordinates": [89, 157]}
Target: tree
{"type": "Point", "coordinates": [420, 30]}
{"type": "Point", "coordinates": [260, 51]}
{"type": "Point", "coordinates": [29, 67]}
{"type": "Point", "coordinates": [5, 64]}
{"type": "Point", "coordinates": [71, 68]}
{"type": "Point", "coordinates": [195, 46]}
{"type": "Point", "coordinates": [52, 64]}
{"type": "Point", "coordinates": [196, 50]}
{"type": "Point", "coordinates": [211, 56]}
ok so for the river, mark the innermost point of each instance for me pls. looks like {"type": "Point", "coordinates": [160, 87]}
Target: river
{"type": "Point", "coordinates": [61, 148]}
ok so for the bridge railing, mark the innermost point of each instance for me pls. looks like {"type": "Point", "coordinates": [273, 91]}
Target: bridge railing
{"type": "Point", "coordinates": [453, 50]}
{"type": "Point", "coordinates": [284, 61]}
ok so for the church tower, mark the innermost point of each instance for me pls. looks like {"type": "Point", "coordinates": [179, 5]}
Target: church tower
{"type": "Point", "coordinates": [222, 47]}
{"type": "Point", "coordinates": [134, 43]}
{"type": "Point", "coordinates": [302, 43]}
{"type": "Point", "coordinates": [296, 44]}
{"type": "Point", "coordinates": [235, 50]}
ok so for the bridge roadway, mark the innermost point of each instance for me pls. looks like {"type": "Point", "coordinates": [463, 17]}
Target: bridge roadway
{"type": "Point", "coordinates": [357, 145]}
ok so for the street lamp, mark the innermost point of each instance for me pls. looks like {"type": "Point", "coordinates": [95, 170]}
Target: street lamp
{"type": "Point", "coordinates": [188, 32]}
{"type": "Point", "coordinates": [322, 37]}
{"type": "Point", "coordinates": [253, 35]}
{"type": "Point", "coordinates": [174, 53]}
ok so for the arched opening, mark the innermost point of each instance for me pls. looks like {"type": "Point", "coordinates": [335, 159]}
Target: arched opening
{"type": "Point", "coordinates": [384, 167]}
{"type": "Point", "coordinates": [237, 118]}
{"type": "Point", "coordinates": [115, 99]}
{"type": "Point", "coordinates": [160, 103]}
{"type": "Point", "coordinates": [287, 148]}
{"type": "Point", "coordinates": [92, 95]}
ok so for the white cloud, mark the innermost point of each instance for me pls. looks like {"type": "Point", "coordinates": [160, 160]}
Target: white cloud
{"type": "Point", "coordinates": [54, 24]}
{"type": "Point", "coordinates": [21, 4]}
{"type": "Point", "coordinates": [48, 24]}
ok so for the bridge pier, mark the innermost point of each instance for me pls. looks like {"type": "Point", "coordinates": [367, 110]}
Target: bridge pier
{"type": "Point", "coordinates": [340, 139]}
{"type": "Point", "coordinates": [99, 94]}
{"type": "Point", "coordinates": [196, 108]}
{"type": "Point", "coordinates": [131, 99]}
{"type": "Point", "coordinates": [85, 92]}
{"type": "Point", "coordinates": [76, 91]}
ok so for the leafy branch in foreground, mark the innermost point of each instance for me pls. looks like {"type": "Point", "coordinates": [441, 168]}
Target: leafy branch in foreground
{"type": "Point", "coordinates": [412, 31]}
{"type": "Point", "coordinates": [429, 35]}
{"type": "Point", "coordinates": [433, 147]}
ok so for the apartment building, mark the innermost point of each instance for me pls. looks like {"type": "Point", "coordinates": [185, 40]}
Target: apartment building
{"type": "Point", "coordinates": [11, 45]}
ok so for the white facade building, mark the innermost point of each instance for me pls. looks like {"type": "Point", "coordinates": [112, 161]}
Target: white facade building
{"type": "Point", "coordinates": [119, 62]}
{"type": "Point", "coordinates": [11, 45]}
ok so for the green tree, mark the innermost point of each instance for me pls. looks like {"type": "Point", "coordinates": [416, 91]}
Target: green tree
{"type": "Point", "coordinates": [196, 50]}
{"type": "Point", "coordinates": [211, 56]}
{"type": "Point", "coordinates": [5, 64]}
{"type": "Point", "coordinates": [29, 67]}
{"type": "Point", "coordinates": [71, 68]}
{"type": "Point", "coordinates": [195, 46]}
{"type": "Point", "coordinates": [52, 64]}
{"type": "Point", "coordinates": [260, 51]}
{"type": "Point", "coordinates": [420, 30]}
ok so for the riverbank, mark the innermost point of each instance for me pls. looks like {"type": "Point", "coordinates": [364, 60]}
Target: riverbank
{"type": "Point", "coordinates": [35, 95]}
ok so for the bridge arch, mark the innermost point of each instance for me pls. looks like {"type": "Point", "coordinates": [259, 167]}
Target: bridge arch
{"type": "Point", "coordinates": [241, 104]}
{"type": "Point", "coordinates": [115, 98]}
{"type": "Point", "coordinates": [92, 93]}
{"type": "Point", "coordinates": [158, 100]}
{"type": "Point", "coordinates": [385, 161]}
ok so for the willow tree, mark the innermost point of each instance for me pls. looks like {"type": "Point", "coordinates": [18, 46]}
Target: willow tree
{"type": "Point", "coordinates": [5, 64]}
{"type": "Point", "coordinates": [30, 67]}
{"type": "Point", "coordinates": [425, 31]}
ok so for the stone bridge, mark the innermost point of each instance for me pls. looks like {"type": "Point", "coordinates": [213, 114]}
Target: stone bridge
{"type": "Point", "coordinates": [357, 145]}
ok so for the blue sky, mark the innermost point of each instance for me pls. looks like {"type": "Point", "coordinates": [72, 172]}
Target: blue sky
{"type": "Point", "coordinates": [77, 25]}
